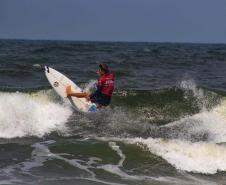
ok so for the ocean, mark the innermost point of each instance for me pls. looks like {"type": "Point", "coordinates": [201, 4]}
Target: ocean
{"type": "Point", "coordinates": [166, 124]}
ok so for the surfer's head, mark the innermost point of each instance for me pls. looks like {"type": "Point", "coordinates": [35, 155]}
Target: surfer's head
{"type": "Point", "coordinates": [103, 69]}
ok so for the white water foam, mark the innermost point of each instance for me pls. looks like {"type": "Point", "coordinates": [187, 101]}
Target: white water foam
{"type": "Point", "coordinates": [26, 115]}
{"type": "Point", "coordinates": [207, 158]}
{"type": "Point", "coordinates": [213, 121]}
{"type": "Point", "coordinates": [210, 126]}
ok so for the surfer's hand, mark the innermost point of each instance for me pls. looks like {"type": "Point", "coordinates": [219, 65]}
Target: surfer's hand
{"type": "Point", "coordinates": [68, 90]}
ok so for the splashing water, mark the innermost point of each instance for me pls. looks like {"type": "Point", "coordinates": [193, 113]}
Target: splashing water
{"type": "Point", "coordinates": [201, 99]}
{"type": "Point", "coordinates": [26, 115]}
{"type": "Point", "coordinates": [89, 86]}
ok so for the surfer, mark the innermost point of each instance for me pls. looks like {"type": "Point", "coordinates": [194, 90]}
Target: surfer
{"type": "Point", "coordinates": [105, 86]}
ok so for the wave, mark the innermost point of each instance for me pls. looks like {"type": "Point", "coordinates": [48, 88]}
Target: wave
{"type": "Point", "coordinates": [132, 113]}
{"type": "Point", "coordinates": [199, 157]}
{"type": "Point", "coordinates": [23, 114]}
{"type": "Point", "coordinates": [192, 134]}
{"type": "Point", "coordinates": [195, 143]}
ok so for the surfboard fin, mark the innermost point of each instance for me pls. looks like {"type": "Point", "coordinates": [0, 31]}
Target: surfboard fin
{"type": "Point", "coordinates": [47, 69]}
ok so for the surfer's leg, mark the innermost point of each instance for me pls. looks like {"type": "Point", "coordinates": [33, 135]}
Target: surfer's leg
{"type": "Point", "coordinates": [68, 90]}
{"type": "Point", "coordinates": [100, 100]}
{"type": "Point", "coordinates": [78, 95]}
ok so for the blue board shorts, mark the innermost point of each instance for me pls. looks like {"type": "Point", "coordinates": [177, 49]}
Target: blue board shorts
{"type": "Point", "coordinates": [99, 98]}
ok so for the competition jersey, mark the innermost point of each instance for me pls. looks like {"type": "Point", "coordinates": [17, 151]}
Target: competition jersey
{"type": "Point", "coordinates": [105, 84]}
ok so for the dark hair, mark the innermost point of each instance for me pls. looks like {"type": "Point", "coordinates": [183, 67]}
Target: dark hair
{"type": "Point", "coordinates": [104, 67]}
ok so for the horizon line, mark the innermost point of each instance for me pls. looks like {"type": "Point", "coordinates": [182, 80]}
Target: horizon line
{"type": "Point", "coordinates": [114, 41]}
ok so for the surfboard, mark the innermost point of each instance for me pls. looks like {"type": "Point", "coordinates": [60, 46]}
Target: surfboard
{"type": "Point", "coordinates": [59, 82]}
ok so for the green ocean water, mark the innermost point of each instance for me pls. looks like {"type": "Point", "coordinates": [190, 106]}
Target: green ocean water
{"type": "Point", "coordinates": [166, 123]}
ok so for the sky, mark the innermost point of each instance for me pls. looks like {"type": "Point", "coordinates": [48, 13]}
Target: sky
{"type": "Point", "coordinates": [196, 21]}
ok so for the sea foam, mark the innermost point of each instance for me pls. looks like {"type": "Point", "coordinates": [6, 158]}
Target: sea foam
{"type": "Point", "coordinates": [22, 115]}
{"type": "Point", "coordinates": [200, 157]}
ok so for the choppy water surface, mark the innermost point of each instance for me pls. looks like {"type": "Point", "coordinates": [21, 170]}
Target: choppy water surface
{"type": "Point", "coordinates": [166, 124]}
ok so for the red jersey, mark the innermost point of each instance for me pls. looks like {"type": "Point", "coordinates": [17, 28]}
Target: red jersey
{"type": "Point", "coordinates": [106, 84]}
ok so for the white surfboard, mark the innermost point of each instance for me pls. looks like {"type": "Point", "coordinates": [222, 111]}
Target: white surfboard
{"type": "Point", "coordinates": [59, 82]}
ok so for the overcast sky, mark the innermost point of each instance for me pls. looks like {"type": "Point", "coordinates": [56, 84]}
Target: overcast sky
{"type": "Point", "coordinates": [115, 20]}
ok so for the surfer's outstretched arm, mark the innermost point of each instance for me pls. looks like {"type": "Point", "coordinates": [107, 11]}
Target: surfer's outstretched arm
{"type": "Point", "coordinates": [78, 95]}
